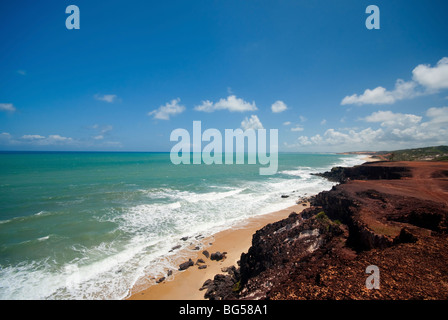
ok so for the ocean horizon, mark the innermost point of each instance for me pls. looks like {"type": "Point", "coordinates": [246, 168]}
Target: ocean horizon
{"type": "Point", "coordinates": [93, 225]}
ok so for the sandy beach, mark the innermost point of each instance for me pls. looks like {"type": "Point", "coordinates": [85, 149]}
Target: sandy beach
{"type": "Point", "coordinates": [371, 159]}
{"type": "Point", "coordinates": [185, 285]}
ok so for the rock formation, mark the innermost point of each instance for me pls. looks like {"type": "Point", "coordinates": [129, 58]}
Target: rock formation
{"type": "Point", "coordinates": [391, 215]}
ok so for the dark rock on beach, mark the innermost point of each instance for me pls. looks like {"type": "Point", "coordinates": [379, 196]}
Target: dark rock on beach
{"type": "Point", "coordinates": [186, 265]}
{"type": "Point", "coordinates": [217, 256]}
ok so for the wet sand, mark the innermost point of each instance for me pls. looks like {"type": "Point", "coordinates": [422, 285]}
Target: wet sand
{"type": "Point", "coordinates": [185, 285]}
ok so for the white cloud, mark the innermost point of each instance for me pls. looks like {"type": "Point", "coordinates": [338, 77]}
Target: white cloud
{"type": "Point", "coordinates": [39, 140]}
{"type": "Point", "coordinates": [287, 123]}
{"type": "Point", "coordinates": [251, 123]}
{"type": "Point", "coordinates": [438, 115]}
{"type": "Point", "coordinates": [304, 141]}
{"type": "Point", "coordinates": [379, 95]}
{"type": "Point", "coordinates": [279, 106]}
{"type": "Point", "coordinates": [396, 130]}
{"type": "Point", "coordinates": [32, 137]}
{"type": "Point", "coordinates": [390, 119]}
{"type": "Point", "coordinates": [302, 118]}
{"type": "Point", "coordinates": [168, 110]}
{"type": "Point", "coordinates": [425, 80]}
{"type": "Point", "coordinates": [109, 98]}
{"type": "Point", "coordinates": [297, 129]}
{"type": "Point", "coordinates": [21, 72]}
{"type": "Point", "coordinates": [435, 78]}
{"type": "Point", "coordinates": [56, 139]}
{"type": "Point", "coordinates": [99, 137]}
{"type": "Point", "coordinates": [7, 107]}
{"type": "Point", "coordinates": [231, 103]}
{"type": "Point", "coordinates": [323, 122]}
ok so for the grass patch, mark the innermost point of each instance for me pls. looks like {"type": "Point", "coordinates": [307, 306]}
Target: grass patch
{"type": "Point", "coordinates": [237, 287]}
{"type": "Point", "coordinates": [326, 221]}
{"type": "Point", "coordinates": [321, 216]}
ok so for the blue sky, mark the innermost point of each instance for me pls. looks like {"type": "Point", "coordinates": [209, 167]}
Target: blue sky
{"type": "Point", "coordinates": [136, 70]}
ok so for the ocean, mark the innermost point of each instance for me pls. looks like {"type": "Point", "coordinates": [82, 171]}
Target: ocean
{"type": "Point", "coordinates": [95, 225]}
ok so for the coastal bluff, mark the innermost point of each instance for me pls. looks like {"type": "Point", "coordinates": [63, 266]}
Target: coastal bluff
{"type": "Point", "coordinates": [393, 215]}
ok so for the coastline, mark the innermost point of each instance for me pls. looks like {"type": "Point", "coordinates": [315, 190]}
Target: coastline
{"type": "Point", "coordinates": [370, 159]}
{"type": "Point", "coordinates": [323, 253]}
{"type": "Point", "coordinates": [234, 241]}
{"type": "Point", "coordinates": [301, 256]}
{"type": "Point", "coordinates": [186, 284]}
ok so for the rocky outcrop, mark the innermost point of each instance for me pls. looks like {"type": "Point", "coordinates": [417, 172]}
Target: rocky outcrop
{"type": "Point", "coordinates": [393, 215]}
{"type": "Point", "coordinates": [365, 172]}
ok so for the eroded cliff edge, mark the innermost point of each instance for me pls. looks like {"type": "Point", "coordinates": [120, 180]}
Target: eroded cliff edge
{"type": "Point", "coordinates": [390, 214]}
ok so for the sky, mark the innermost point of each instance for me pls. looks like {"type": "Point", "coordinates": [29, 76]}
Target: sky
{"type": "Point", "coordinates": [136, 70]}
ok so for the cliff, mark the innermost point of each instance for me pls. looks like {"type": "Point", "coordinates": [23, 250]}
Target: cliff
{"type": "Point", "coordinates": [392, 215]}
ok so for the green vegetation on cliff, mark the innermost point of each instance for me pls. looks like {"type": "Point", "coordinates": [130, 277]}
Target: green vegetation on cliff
{"type": "Point", "coordinates": [439, 153]}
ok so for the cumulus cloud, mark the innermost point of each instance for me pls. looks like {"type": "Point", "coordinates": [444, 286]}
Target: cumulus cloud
{"type": "Point", "coordinates": [231, 103]}
{"type": "Point", "coordinates": [279, 106]}
{"type": "Point", "coordinates": [287, 123]}
{"type": "Point", "coordinates": [438, 115]}
{"type": "Point", "coordinates": [9, 107]}
{"type": "Point", "coordinates": [168, 110]}
{"type": "Point", "coordinates": [109, 98]}
{"type": "Point", "coordinates": [391, 119]}
{"type": "Point", "coordinates": [395, 130]}
{"type": "Point", "coordinates": [425, 80]}
{"type": "Point", "coordinates": [379, 95]}
{"type": "Point", "coordinates": [433, 78]}
{"type": "Point", "coordinates": [251, 123]}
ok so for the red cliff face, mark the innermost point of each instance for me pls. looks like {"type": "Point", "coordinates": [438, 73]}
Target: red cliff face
{"type": "Point", "coordinates": [390, 214]}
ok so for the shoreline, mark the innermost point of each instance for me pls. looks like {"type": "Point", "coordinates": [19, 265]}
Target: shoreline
{"type": "Point", "coordinates": [182, 285]}
{"type": "Point", "coordinates": [323, 254]}
{"type": "Point", "coordinates": [185, 284]}
{"type": "Point", "coordinates": [369, 158]}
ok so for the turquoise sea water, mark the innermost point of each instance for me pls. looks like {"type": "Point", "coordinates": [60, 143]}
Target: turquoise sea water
{"type": "Point", "coordinates": [94, 225]}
